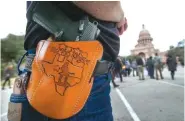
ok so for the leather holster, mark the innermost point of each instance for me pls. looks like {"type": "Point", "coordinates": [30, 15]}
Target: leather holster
{"type": "Point", "coordinates": [61, 78]}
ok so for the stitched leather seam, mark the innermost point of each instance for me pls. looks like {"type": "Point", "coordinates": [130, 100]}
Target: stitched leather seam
{"type": "Point", "coordinates": [77, 102]}
{"type": "Point", "coordinates": [86, 79]}
{"type": "Point", "coordinates": [37, 65]}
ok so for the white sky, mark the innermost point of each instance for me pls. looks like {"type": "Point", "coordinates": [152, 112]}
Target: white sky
{"type": "Point", "coordinates": [165, 20]}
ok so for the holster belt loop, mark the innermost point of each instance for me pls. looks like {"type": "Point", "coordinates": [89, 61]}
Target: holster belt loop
{"type": "Point", "coordinates": [102, 67]}
{"type": "Point", "coordinates": [30, 54]}
{"type": "Point", "coordinates": [29, 60]}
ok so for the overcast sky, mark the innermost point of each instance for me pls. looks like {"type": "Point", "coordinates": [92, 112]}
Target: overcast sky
{"type": "Point", "coordinates": [165, 20]}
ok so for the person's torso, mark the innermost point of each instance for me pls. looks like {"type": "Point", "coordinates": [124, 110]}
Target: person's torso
{"type": "Point", "coordinates": [144, 61]}
{"type": "Point", "coordinates": [171, 62]}
{"type": "Point", "coordinates": [118, 64]}
{"type": "Point", "coordinates": [139, 61]}
{"type": "Point", "coordinates": [108, 35]}
{"type": "Point", "coordinates": [104, 10]}
{"type": "Point", "coordinates": [157, 60]}
{"type": "Point", "coordinates": [134, 64]}
{"type": "Point", "coordinates": [127, 64]}
{"type": "Point", "coordinates": [8, 72]}
{"type": "Point", "coordinates": [150, 63]}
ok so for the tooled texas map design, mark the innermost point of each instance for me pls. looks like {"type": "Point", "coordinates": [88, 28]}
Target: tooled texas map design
{"type": "Point", "coordinates": [66, 67]}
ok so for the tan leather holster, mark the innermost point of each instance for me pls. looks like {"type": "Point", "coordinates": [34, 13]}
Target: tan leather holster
{"type": "Point", "coordinates": [61, 78]}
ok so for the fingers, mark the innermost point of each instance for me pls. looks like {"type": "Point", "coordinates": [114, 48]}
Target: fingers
{"type": "Point", "coordinates": [122, 26]}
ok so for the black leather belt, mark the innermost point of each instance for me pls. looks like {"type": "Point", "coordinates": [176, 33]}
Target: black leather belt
{"type": "Point", "coordinates": [105, 23]}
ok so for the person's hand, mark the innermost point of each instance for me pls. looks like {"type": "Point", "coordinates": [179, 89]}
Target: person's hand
{"type": "Point", "coordinates": [122, 26]}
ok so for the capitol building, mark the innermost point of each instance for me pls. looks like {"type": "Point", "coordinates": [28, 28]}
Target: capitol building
{"type": "Point", "coordinates": [144, 44]}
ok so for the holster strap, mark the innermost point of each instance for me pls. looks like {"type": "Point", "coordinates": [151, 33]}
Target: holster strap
{"type": "Point", "coordinates": [102, 67]}
{"type": "Point", "coordinates": [29, 60]}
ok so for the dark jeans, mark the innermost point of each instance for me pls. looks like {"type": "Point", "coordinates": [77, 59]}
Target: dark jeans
{"type": "Point", "coordinates": [119, 74]}
{"type": "Point", "coordinates": [97, 107]}
{"type": "Point", "coordinates": [113, 75]}
{"type": "Point", "coordinates": [151, 72]}
{"type": "Point", "coordinates": [172, 74]}
{"type": "Point", "coordinates": [128, 71]}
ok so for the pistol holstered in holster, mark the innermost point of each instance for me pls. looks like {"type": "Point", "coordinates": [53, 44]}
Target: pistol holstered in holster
{"type": "Point", "coordinates": [63, 69]}
{"type": "Point", "coordinates": [54, 20]}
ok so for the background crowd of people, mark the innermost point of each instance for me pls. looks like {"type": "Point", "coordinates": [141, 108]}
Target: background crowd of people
{"type": "Point", "coordinates": [123, 67]}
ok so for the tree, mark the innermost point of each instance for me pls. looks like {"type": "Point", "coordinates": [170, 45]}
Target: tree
{"type": "Point", "coordinates": [171, 47]}
{"type": "Point", "coordinates": [12, 48]}
{"type": "Point", "coordinates": [131, 57]}
{"type": "Point", "coordinates": [177, 52]}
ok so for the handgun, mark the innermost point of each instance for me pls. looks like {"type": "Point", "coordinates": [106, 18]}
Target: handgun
{"type": "Point", "coordinates": [54, 20]}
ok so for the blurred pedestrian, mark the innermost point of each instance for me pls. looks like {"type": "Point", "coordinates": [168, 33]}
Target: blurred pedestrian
{"type": "Point", "coordinates": [134, 67]}
{"type": "Point", "coordinates": [158, 66]}
{"type": "Point", "coordinates": [113, 75]}
{"type": "Point", "coordinates": [128, 67]}
{"type": "Point", "coordinates": [117, 69]}
{"type": "Point", "coordinates": [124, 72]}
{"type": "Point", "coordinates": [150, 67]}
{"type": "Point", "coordinates": [8, 73]}
{"type": "Point", "coordinates": [140, 67]}
{"type": "Point", "coordinates": [147, 67]}
{"type": "Point", "coordinates": [172, 65]}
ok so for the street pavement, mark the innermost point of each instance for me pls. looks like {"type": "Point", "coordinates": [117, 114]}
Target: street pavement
{"type": "Point", "coordinates": [135, 100]}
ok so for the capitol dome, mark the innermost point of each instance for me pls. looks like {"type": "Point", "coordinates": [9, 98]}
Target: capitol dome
{"type": "Point", "coordinates": [144, 34]}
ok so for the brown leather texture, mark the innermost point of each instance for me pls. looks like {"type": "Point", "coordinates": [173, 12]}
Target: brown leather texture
{"type": "Point", "coordinates": [61, 80]}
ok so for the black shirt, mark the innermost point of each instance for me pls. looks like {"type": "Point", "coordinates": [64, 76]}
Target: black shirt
{"type": "Point", "coordinates": [108, 36]}
{"type": "Point", "coordinates": [139, 61]}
